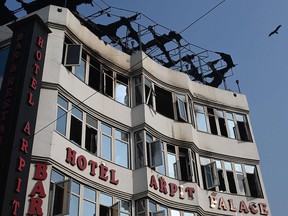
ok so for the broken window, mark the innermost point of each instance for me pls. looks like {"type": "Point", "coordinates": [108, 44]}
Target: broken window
{"type": "Point", "coordinates": [95, 77]}
{"type": "Point", "coordinates": [164, 102]}
{"type": "Point", "coordinates": [76, 125]}
{"type": "Point", "coordinates": [253, 181]}
{"type": "Point", "coordinates": [200, 118]}
{"type": "Point", "coordinates": [61, 115]}
{"type": "Point", "coordinates": [91, 134]}
{"type": "Point", "coordinates": [181, 105]}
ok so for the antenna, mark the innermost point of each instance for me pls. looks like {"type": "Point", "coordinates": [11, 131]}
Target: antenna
{"type": "Point", "coordinates": [237, 82]}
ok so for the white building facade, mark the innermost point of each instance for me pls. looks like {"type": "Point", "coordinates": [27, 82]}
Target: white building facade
{"type": "Point", "coordinates": [123, 135]}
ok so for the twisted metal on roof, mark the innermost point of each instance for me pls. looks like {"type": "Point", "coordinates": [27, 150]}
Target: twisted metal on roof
{"type": "Point", "coordinates": [132, 31]}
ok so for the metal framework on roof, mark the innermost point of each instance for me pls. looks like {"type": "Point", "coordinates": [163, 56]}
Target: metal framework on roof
{"type": "Point", "coordinates": [131, 31]}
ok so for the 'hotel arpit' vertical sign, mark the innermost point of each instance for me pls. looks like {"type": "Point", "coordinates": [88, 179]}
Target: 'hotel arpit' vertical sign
{"type": "Point", "coordinates": [18, 111]}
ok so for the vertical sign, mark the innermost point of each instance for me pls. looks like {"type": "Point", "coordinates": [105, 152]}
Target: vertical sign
{"type": "Point", "coordinates": [18, 110]}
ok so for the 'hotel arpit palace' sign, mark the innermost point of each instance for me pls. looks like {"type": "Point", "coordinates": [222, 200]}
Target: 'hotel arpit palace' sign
{"type": "Point", "coordinates": [18, 110]}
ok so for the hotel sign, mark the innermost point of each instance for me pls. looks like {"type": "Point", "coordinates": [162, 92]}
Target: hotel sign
{"type": "Point", "coordinates": [18, 110]}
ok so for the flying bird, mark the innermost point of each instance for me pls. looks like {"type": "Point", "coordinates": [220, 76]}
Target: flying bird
{"type": "Point", "coordinates": [275, 31]}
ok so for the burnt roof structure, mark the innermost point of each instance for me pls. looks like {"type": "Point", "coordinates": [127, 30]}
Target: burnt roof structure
{"type": "Point", "coordinates": [124, 30]}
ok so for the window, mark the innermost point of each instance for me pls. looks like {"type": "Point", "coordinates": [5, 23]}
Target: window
{"type": "Point", "coordinates": [61, 115]}
{"type": "Point", "coordinates": [3, 59]}
{"type": "Point", "coordinates": [149, 92]}
{"type": "Point", "coordinates": [164, 102]}
{"type": "Point", "coordinates": [200, 118]}
{"type": "Point", "coordinates": [181, 105]}
{"type": "Point", "coordinates": [91, 137]}
{"type": "Point", "coordinates": [60, 194]}
{"type": "Point", "coordinates": [138, 90]}
{"type": "Point", "coordinates": [107, 142]}
{"type": "Point", "coordinates": [210, 173]}
{"type": "Point", "coordinates": [155, 209]}
{"type": "Point", "coordinates": [97, 75]}
{"type": "Point", "coordinates": [219, 122]}
{"type": "Point", "coordinates": [69, 197]}
{"type": "Point", "coordinates": [166, 159]}
{"type": "Point", "coordinates": [232, 178]}
{"type": "Point", "coordinates": [76, 125]}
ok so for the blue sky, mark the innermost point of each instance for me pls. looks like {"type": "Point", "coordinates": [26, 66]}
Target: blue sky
{"type": "Point", "coordinates": [241, 29]}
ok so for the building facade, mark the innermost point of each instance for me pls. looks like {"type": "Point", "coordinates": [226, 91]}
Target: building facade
{"type": "Point", "coordinates": [117, 134]}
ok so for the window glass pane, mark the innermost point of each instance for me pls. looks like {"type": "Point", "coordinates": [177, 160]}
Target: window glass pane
{"type": "Point", "coordinates": [122, 93]}
{"type": "Point", "coordinates": [121, 135]}
{"type": "Point", "coordinates": [161, 168]}
{"type": "Point", "coordinates": [239, 117]}
{"type": "Point", "coordinates": [181, 107]}
{"type": "Point", "coordinates": [231, 127]}
{"type": "Point", "coordinates": [106, 147]}
{"type": "Point", "coordinates": [125, 206]}
{"type": "Point", "coordinates": [175, 213]}
{"type": "Point", "coordinates": [62, 102]}
{"type": "Point", "coordinates": [89, 194]}
{"type": "Point", "coordinates": [105, 200]}
{"type": "Point", "coordinates": [74, 206]}
{"type": "Point", "coordinates": [228, 166]}
{"type": "Point", "coordinates": [249, 169]}
{"type": "Point", "coordinates": [106, 129]}
{"type": "Point", "coordinates": [121, 153]}
{"type": "Point", "coordinates": [75, 187]}
{"type": "Point", "coordinates": [172, 165]}
{"type": "Point", "coordinates": [56, 177]}
{"type": "Point", "coordinates": [229, 116]}
{"type": "Point", "coordinates": [204, 161]}
{"type": "Point", "coordinates": [61, 121]}
{"type": "Point", "coordinates": [141, 206]}
{"type": "Point", "coordinates": [238, 167]}
{"type": "Point", "coordinates": [188, 214]}
{"type": "Point", "coordinates": [201, 122]}
{"type": "Point", "coordinates": [199, 108]}
{"type": "Point", "coordinates": [218, 164]}
{"type": "Point", "coordinates": [76, 112]}
{"type": "Point", "coordinates": [152, 207]}
{"type": "Point", "coordinates": [91, 139]}
{"type": "Point", "coordinates": [91, 121]}
{"type": "Point", "coordinates": [80, 70]}
{"type": "Point", "coordinates": [162, 208]}
{"type": "Point", "coordinates": [89, 209]}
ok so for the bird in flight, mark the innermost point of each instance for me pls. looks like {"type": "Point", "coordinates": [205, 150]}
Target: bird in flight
{"type": "Point", "coordinates": [275, 31]}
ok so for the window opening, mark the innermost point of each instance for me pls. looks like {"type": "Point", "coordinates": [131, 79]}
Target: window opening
{"type": "Point", "coordinates": [230, 177]}
{"type": "Point", "coordinates": [185, 167]}
{"type": "Point", "coordinates": [242, 127]}
{"type": "Point", "coordinates": [76, 125]}
{"type": "Point", "coordinates": [212, 121]}
{"type": "Point", "coordinates": [164, 102]}
{"type": "Point", "coordinates": [94, 75]}
{"type": "Point", "coordinates": [222, 186]}
{"type": "Point", "coordinates": [61, 197]}
{"type": "Point", "coordinates": [253, 181]}
{"type": "Point", "coordinates": [222, 123]}
{"type": "Point", "coordinates": [91, 135]}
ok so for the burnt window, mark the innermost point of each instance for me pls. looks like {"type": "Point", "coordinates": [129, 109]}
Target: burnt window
{"type": "Point", "coordinates": [212, 120]}
{"type": "Point", "coordinates": [76, 125]}
{"type": "Point", "coordinates": [121, 91]}
{"type": "Point", "coordinates": [108, 83]}
{"type": "Point", "coordinates": [230, 177]}
{"type": "Point", "coordinates": [222, 123]}
{"type": "Point", "coordinates": [222, 186]}
{"type": "Point", "coordinates": [253, 182]}
{"type": "Point", "coordinates": [185, 165]}
{"type": "Point", "coordinates": [242, 127]}
{"type": "Point", "coordinates": [149, 92]}
{"type": "Point", "coordinates": [164, 102]}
